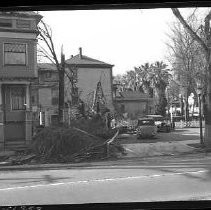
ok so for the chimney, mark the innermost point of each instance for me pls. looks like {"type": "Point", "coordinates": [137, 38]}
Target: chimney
{"type": "Point", "coordinates": [80, 52]}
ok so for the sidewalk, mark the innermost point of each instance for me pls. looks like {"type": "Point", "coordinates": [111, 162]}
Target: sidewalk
{"type": "Point", "coordinates": [161, 148]}
{"type": "Point", "coordinates": [138, 150]}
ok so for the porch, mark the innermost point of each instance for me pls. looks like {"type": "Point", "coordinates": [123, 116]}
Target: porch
{"type": "Point", "coordinates": [15, 116]}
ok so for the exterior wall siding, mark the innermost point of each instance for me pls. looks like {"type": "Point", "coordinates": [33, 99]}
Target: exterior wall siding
{"type": "Point", "coordinates": [8, 71]}
{"type": "Point", "coordinates": [137, 108]}
{"type": "Point", "coordinates": [45, 97]}
{"type": "Point", "coordinates": [87, 83]}
{"type": "Point", "coordinates": [24, 31]}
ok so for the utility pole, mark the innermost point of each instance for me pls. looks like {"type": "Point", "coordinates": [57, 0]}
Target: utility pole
{"type": "Point", "coordinates": [61, 89]}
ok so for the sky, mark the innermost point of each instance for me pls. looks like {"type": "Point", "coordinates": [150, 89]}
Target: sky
{"type": "Point", "coordinates": [124, 38]}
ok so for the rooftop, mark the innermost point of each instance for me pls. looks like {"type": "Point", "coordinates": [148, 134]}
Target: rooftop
{"type": "Point", "coordinates": [46, 66]}
{"type": "Point", "coordinates": [133, 95]}
{"type": "Point", "coordinates": [81, 59]}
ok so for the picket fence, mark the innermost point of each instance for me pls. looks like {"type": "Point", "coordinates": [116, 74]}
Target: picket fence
{"type": "Point", "coordinates": [190, 124]}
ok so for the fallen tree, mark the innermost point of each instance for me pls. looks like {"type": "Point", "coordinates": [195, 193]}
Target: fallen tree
{"type": "Point", "coordinates": [83, 140]}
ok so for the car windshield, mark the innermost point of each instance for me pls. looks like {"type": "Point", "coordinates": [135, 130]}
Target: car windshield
{"type": "Point", "coordinates": [146, 122]}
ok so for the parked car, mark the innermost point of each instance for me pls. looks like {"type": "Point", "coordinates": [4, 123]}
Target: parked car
{"type": "Point", "coordinates": [146, 128]}
{"type": "Point", "coordinates": [161, 122]}
{"type": "Point", "coordinates": [164, 127]}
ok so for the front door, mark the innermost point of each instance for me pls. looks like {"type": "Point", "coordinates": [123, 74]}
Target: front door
{"type": "Point", "coordinates": [14, 112]}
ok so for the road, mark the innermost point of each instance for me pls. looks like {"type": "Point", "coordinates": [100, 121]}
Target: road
{"type": "Point", "coordinates": [132, 180]}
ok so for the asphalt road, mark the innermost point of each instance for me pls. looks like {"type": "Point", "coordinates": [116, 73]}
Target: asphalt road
{"type": "Point", "coordinates": [132, 180]}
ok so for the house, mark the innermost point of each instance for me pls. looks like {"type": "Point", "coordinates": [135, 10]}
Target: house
{"type": "Point", "coordinates": [134, 104]}
{"type": "Point", "coordinates": [45, 94]}
{"type": "Point", "coordinates": [82, 75]}
{"type": "Point", "coordinates": [18, 69]}
{"type": "Point", "coordinates": [91, 75]}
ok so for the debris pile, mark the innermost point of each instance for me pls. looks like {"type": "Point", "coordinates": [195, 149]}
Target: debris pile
{"type": "Point", "coordinates": [83, 141]}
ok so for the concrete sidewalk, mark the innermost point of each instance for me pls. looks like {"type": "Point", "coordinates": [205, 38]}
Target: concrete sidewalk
{"type": "Point", "coordinates": [160, 148]}
{"type": "Point", "coordinates": [139, 150]}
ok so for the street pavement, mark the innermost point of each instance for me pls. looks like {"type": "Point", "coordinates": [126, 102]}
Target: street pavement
{"type": "Point", "coordinates": [132, 180]}
{"type": "Point", "coordinates": [137, 179]}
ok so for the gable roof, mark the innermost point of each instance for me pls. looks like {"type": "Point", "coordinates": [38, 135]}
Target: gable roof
{"type": "Point", "coordinates": [132, 96]}
{"type": "Point", "coordinates": [85, 61]}
{"type": "Point", "coordinates": [46, 67]}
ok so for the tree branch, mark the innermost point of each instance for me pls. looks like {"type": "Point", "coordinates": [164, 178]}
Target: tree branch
{"type": "Point", "coordinates": [176, 12]}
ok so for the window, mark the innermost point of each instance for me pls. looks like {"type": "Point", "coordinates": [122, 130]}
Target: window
{"type": "Point", "coordinates": [5, 23]}
{"type": "Point", "coordinates": [48, 75]}
{"type": "Point", "coordinates": [15, 54]}
{"type": "Point", "coordinates": [55, 96]}
{"type": "Point", "coordinates": [33, 100]}
{"type": "Point", "coordinates": [55, 101]}
{"type": "Point", "coordinates": [17, 98]}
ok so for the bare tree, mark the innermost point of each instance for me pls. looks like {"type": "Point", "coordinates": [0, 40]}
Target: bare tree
{"type": "Point", "coordinates": [187, 58]}
{"type": "Point", "coordinates": [204, 43]}
{"type": "Point", "coordinates": [47, 50]}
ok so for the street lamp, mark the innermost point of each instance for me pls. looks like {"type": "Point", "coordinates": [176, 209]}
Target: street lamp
{"type": "Point", "coordinates": [199, 92]}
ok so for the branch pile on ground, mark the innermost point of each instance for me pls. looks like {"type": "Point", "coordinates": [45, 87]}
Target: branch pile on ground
{"type": "Point", "coordinates": [95, 126]}
{"type": "Point", "coordinates": [100, 151]}
{"type": "Point", "coordinates": [71, 144]}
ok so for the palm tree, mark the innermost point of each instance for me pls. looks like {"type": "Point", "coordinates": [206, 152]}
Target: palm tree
{"type": "Point", "coordinates": [143, 78]}
{"type": "Point", "coordinates": [160, 76]}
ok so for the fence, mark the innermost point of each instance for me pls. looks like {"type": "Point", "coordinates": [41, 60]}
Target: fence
{"type": "Point", "coordinates": [189, 124]}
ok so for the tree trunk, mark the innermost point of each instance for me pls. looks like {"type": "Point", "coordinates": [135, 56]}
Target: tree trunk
{"type": "Point", "coordinates": [207, 49]}
{"type": "Point", "coordinates": [182, 106]}
{"type": "Point", "coordinates": [61, 90]}
{"type": "Point", "coordinates": [186, 109]}
{"type": "Point", "coordinates": [207, 136]}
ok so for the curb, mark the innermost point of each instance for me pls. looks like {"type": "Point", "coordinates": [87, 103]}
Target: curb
{"type": "Point", "coordinates": [83, 165]}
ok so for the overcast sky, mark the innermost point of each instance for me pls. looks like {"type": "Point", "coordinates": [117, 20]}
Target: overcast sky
{"type": "Point", "coordinates": [124, 38]}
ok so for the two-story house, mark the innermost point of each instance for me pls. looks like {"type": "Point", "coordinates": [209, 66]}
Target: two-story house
{"type": "Point", "coordinates": [88, 72]}
{"type": "Point", "coordinates": [18, 69]}
{"type": "Point", "coordinates": [45, 94]}
{"type": "Point", "coordinates": [91, 74]}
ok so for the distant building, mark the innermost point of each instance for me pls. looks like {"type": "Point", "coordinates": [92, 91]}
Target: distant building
{"type": "Point", "coordinates": [18, 69]}
{"type": "Point", "coordinates": [134, 104]}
